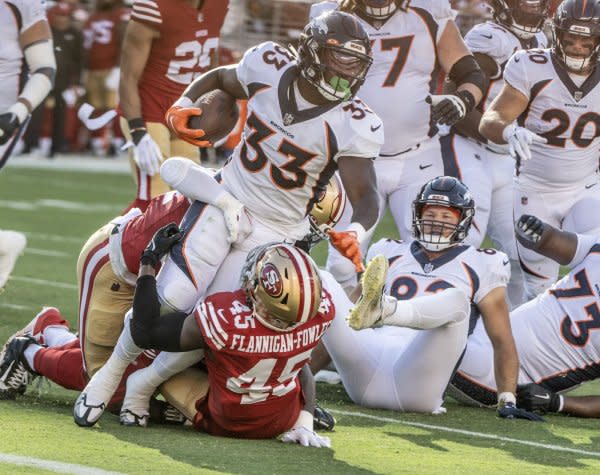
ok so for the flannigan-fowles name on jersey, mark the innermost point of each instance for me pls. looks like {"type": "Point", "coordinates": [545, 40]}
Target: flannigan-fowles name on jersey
{"type": "Point", "coordinates": [278, 343]}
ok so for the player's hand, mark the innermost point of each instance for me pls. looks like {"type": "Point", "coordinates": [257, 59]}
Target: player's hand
{"type": "Point", "coordinates": [235, 216]}
{"type": "Point", "coordinates": [177, 119]}
{"type": "Point", "coordinates": [305, 437]}
{"type": "Point", "coordinates": [447, 109]}
{"type": "Point", "coordinates": [146, 154]}
{"type": "Point", "coordinates": [510, 411]}
{"type": "Point", "coordinates": [346, 242]}
{"type": "Point", "coordinates": [9, 123]}
{"type": "Point", "coordinates": [164, 239]}
{"type": "Point", "coordinates": [519, 139]}
{"type": "Point", "coordinates": [529, 230]}
{"type": "Point", "coordinates": [534, 397]}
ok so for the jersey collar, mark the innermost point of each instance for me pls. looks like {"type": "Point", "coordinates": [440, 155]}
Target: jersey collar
{"type": "Point", "coordinates": [577, 92]}
{"type": "Point", "coordinates": [430, 265]}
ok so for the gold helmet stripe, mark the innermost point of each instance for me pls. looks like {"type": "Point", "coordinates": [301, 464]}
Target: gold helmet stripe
{"type": "Point", "coordinates": [304, 273]}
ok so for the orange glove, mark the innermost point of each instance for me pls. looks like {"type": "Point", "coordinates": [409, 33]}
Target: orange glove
{"type": "Point", "coordinates": [177, 118]}
{"type": "Point", "coordinates": [346, 243]}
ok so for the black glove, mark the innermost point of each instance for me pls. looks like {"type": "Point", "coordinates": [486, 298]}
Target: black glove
{"type": "Point", "coordinates": [164, 239]}
{"type": "Point", "coordinates": [9, 123]}
{"type": "Point", "coordinates": [447, 109]}
{"type": "Point", "coordinates": [510, 411]}
{"type": "Point", "coordinates": [322, 419]}
{"type": "Point", "coordinates": [529, 230]}
{"type": "Point", "coordinates": [534, 397]}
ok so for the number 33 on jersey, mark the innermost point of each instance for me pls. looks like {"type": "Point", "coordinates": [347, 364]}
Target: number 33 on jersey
{"type": "Point", "coordinates": [290, 148]}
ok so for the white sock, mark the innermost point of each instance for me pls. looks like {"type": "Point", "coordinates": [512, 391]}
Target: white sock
{"type": "Point", "coordinates": [424, 313]}
{"type": "Point", "coordinates": [57, 336]}
{"type": "Point", "coordinates": [30, 353]}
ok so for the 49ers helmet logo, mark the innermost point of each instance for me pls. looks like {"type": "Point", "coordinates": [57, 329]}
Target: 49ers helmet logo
{"type": "Point", "coordinates": [271, 280]}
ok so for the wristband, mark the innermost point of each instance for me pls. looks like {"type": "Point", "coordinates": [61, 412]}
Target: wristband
{"type": "Point", "coordinates": [468, 99]}
{"type": "Point", "coordinates": [359, 229]}
{"type": "Point", "coordinates": [20, 110]}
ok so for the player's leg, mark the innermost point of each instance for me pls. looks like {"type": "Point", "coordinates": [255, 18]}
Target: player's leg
{"type": "Point", "coordinates": [501, 229]}
{"type": "Point", "coordinates": [184, 389]}
{"type": "Point", "coordinates": [355, 354]}
{"type": "Point", "coordinates": [419, 166]}
{"type": "Point", "coordinates": [464, 159]}
{"type": "Point", "coordinates": [583, 217]}
{"type": "Point", "coordinates": [539, 272]}
{"type": "Point", "coordinates": [12, 244]}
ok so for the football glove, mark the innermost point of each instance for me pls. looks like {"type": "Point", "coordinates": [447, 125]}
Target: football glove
{"type": "Point", "coordinates": [529, 230]}
{"type": "Point", "coordinates": [177, 118]}
{"type": "Point", "coordinates": [9, 123]}
{"type": "Point", "coordinates": [305, 437]}
{"type": "Point", "coordinates": [447, 109]}
{"type": "Point", "coordinates": [534, 397]}
{"type": "Point", "coordinates": [235, 218]}
{"type": "Point", "coordinates": [510, 411]}
{"type": "Point", "coordinates": [146, 153]}
{"type": "Point", "coordinates": [519, 139]}
{"type": "Point", "coordinates": [346, 243]}
{"type": "Point", "coordinates": [164, 239]}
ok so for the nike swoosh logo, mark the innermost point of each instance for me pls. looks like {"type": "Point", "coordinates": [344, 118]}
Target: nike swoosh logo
{"type": "Point", "coordinates": [587, 187]}
{"type": "Point", "coordinates": [373, 129]}
{"type": "Point", "coordinates": [545, 396]}
{"type": "Point", "coordinates": [423, 167]}
{"type": "Point", "coordinates": [489, 37]}
{"type": "Point", "coordinates": [517, 60]}
{"type": "Point", "coordinates": [505, 262]}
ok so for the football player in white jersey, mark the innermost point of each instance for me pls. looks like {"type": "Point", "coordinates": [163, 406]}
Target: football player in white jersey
{"type": "Point", "coordinates": [25, 44]}
{"type": "Point", "coordinates": [408, 368]}
{"type": "Point", "coordinates": [487, 168]}
{"type": "Point", "coordinates": [557, 334]}
{"type": "Point", "coordinates": [548, 113]}
{"type": "Point", "coordinates": [304, 122]}
{"type": "Point", "coordinates": [411, 41]}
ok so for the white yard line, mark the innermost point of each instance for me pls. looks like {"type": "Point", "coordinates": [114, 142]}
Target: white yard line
{"type": "Point", "coordinates": [51, 465]}
{"type": "Point", "coordinates": [15, 306]}
{"type": "Point", "coordinates": [480, 435]}
{"type": "Point", "coordinates": [55, 237]}
{"type": "Point", "coordinates": [46, 252]}
{"type": "Point", "coordinates": [46, 283]}
{"type": "Point", "coordinates": [63, 205]}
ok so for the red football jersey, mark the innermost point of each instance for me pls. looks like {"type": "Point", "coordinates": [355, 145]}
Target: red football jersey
{"type": "Point", "coordinates": [252, 370]}
{"type": "Point", "coordinates": [182, 52]}
{"type": "Point", "coordinates": [102, 38]}
{"type": "Point", "coordinates": [162, 210]}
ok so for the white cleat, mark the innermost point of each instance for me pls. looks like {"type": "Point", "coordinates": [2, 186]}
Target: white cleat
{"type": "Point", "coordinates": [12, 244]}
{"type": "Point", "coordinates": [131, 419]}
{"type": "Point", "coordinates": [368, 310]}
{"type": "Point", "coordinates": [135, 410]}
{"type": "Point", "coordinates": [86, 411]}
{"type": "Point", "coordinates": [92, 402]}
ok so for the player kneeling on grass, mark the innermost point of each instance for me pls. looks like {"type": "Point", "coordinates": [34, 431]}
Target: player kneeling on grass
{"type": "Point", "coordinates": [555, 334]}
{"type": "Point", "coordinates": [261, 334]}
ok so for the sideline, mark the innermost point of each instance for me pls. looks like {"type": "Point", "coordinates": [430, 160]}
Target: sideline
{"type": "Point", "coordinates": [59, 467]}
{"type": "Point", "coordinates": [481, 435]}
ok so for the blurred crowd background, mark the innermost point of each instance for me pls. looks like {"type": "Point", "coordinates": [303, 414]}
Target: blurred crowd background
{"type": "Point", "coordinates": [86, 44]}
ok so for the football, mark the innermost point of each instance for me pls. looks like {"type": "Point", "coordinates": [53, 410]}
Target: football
{"type": "Point", "coordinates": [219, 115]}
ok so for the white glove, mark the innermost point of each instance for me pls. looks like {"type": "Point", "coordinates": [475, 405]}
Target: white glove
{"type": "Point", "coordinates": [147, 155]}
{"type": "Point", "coordinates": [112, 80]}
{"type": "Point", "coordinates": [305, 437]}
{"type": "Point", "coordinates": [519, 139]}
{"type": "Point", "coordinates": [235, 216]}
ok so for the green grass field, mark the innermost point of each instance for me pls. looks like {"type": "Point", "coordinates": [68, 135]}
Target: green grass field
{"type": "Point", "coordinates": [58, 210]}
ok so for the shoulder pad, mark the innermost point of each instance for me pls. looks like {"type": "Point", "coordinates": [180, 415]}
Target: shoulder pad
{"type": "Point", "coordinates": [362, 133]}
{"type": "Point", "coordinates": [439, 9]}
{"type": "Point", "coordinates": [261, 64]}
{"type": "Point", "coordinates": [492, 40]}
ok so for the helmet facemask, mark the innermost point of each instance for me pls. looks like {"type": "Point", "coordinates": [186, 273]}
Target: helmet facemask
{"type": "Point", "coordinates": [380, 10]}
{"type": "Point", "coordinates": [524, 18]}
{"type": "Point", "coordinates": [576, 64]}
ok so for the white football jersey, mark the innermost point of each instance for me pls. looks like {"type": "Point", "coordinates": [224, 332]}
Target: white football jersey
{"type": "Point", "coordinates": [413, 274]}
{"type": "Point", "coordinates": [287, 155]}
{"type": "Point", "coordinates": [16, 16]}
{"type": "Point", "coordinates": [565, 114]}
{"type": "Point", "coordinates": [403, 72]}
{"type": "Point", "coordinates": [558, 339]}
{"type": "Point", "coordinates": [499, 43]}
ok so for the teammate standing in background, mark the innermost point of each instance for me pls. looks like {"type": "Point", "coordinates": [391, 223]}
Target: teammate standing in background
{"type": "Point", "coordinates": [410, 42]}
{"type": "Point", "coordinates": [167, 44]}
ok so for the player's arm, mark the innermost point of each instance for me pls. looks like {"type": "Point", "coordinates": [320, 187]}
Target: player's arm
{"type": "Point", "coordinates": [179, 114]}
{"type": "Point", "coordinates": [503, 111]}
{"type": "Point", "coordinates": [546, 240]}
{"type": "Point", "coordinates": [469, 126]}
{"type": "Point", "coordinates": [175, 331]}
{"type": "Point", "coordinates": [358, 177]}
{"type": "Point", "coordinates": [36, 43]}
{"type": "Point", "coordinates": [494, 311]}
{"type": "Point", "coordinates": [534, 397]}
{"type": "Point", "coordinates": [462, 69]}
